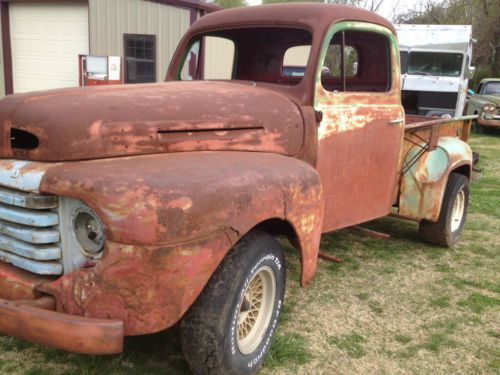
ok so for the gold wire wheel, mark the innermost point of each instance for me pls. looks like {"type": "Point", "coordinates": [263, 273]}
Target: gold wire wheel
{"type": "Point", "coordinates": [458, 210]}
{"type": "Point", "coordinates": [256, 310]}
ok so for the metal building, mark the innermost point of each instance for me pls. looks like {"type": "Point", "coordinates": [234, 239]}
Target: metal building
{"type": "Point", "coordinates": [42, 40]}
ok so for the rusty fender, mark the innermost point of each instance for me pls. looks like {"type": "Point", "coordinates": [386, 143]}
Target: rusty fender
{"type": "Point", "coordinates": [170, 219]}
{"type": "Point", "coordinates": [423, 186]}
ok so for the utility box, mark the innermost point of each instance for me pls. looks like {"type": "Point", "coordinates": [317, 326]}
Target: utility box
{"type": "Point", "coordinates": [100, 70]}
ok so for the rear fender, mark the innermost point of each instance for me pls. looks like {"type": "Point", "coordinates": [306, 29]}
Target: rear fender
{"type": "Point", "coordinates": [423, 186]}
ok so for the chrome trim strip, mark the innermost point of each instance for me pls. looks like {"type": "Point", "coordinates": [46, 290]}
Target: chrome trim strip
{"type": "Point", "coordinates": [23, 175]}
{"type": "Point", "coordinates": [28, 217]}
{"type": "Point", "coordinates": [29, 234]}
{"type": "Point", "coordinates": [29, 251]}
{"type": "Point", "coordinates": [27, 200]}
{"type": "Point", "coordinates": [40, 268]}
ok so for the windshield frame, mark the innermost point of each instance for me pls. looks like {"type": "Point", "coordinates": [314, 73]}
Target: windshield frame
{"type": "Point", "coordinates": [490, 83]}
{"type": "Point", "coordinates": [412, 52]}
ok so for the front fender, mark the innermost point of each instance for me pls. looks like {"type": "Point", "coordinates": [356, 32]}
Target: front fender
{"type": "Point", "coordinates": [156, 209]}
{"type": "Point", "coordinates": [423, 186]}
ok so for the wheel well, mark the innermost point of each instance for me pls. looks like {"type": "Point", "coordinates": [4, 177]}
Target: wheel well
{"type": "Point", "coordinates": [278, 227]}
{"type": "Point", "coordinates": [463, 170]}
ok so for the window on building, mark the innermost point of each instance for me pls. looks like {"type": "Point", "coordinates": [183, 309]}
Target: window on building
{"type": "Point", "coordinates": [140, 58]}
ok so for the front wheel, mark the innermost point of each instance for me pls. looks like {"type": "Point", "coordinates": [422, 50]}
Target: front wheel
{"type": "Point", "coordinates": [446, 231]}
{"type": "Point", "coordinates": [230, 327]}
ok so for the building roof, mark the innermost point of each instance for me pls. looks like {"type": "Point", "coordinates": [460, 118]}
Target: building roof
{"type": "Point", "coordinates": [315, 16]}
{"type": "Point", "coordinates": [192, 4]}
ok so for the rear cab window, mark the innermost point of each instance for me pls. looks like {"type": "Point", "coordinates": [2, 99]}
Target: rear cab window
{"type": "Point", "coordinates": [264, 54]}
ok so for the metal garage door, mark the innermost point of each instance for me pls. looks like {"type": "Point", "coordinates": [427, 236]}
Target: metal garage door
{"type": "Point", "coordinates": [46, 41]}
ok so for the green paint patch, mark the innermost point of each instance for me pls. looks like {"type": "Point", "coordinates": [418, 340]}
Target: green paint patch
{"type": "Point", "coordinates": [287, 349]}
{"type": "Point", "coordinates": [352, 344]}
{"type": "Point", "coordinates": [479, 303]}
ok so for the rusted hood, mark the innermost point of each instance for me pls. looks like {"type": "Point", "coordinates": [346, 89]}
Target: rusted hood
{"type": "Point", "coordinates": [99, 122]}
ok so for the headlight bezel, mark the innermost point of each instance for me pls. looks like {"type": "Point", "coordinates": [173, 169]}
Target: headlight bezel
{"type": "Point", "coordinates": [489, 107]}
{"type": "Point", "coordinates": [88, 231]}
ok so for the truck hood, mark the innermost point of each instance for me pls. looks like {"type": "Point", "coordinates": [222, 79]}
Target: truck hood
{"type": "Point", "coordinates": [490, 99]}
{"type": "Point", "coordinates": [101, 122]}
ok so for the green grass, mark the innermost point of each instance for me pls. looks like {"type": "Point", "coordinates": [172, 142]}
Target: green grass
{"type": "Point", "coordinates": [478, 302]}
{"type": "Point", "coordinates": [288, 349]}
{"type": "Point", "coordinates": [393, 306]}
{"type": "Point", "coordinates": [352, 344]}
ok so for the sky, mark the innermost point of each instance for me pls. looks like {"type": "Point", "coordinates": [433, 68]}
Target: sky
{"type": "Point", "coordinates": [385, 10]}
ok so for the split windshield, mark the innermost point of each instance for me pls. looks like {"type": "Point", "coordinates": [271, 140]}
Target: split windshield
{"type": "Point", "coordinates": [491, 88]}
{"type": "Point", "coordinates": [254, 54]}
{"type": "Point", "coordinates": [432, 63]}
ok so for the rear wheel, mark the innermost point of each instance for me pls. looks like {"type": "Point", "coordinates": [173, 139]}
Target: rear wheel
{"type": "Point", "coordinates": [446, 231]}
{"type": "Point", "coordinates": [229, 329]}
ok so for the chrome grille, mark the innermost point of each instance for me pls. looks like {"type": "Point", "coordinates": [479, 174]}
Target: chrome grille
{"type": "Point", "coordinates": [29, 232]}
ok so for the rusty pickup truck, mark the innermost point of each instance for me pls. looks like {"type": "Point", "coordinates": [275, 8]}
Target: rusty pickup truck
{"type": "Point", "coordinates": [127, 209]}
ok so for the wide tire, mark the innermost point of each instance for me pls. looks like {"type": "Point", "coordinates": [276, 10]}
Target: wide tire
{"type": "Point", "coordinates": [230, 327]}
{"type": "Point", "coordinates": [447, 230]}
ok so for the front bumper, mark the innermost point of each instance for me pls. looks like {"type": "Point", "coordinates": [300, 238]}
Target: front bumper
{"type": "Point", "coordinates": [489, 120]}
{"type": "Point", "coordinates": [29, 319]}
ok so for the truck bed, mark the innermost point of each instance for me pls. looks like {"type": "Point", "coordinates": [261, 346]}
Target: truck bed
{"type": "Point", "coordinates": [430, 129]}
{"type": "Point", "coordinates": [425, 132]}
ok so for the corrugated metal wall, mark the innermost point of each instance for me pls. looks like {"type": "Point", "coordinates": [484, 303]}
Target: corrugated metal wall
{"type": "Point", "coordinates": [2, 77]}
{"type": "Point", "coordinates": [219, 58]}
{"type": "Point", "coordinates": [110, 19]}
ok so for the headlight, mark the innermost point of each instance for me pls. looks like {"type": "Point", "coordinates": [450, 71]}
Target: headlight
{"type": "Point", "coordinates": [489, 107]}
{"type": "Point", "coordinates": [88, 231]}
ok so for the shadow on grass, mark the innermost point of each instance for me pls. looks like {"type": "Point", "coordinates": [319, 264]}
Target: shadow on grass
{"type": "Point", "coordinates": [151, 354]}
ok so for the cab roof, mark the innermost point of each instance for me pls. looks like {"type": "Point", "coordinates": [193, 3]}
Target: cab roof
{"type": "Point", "coordinates": [314, 16]}
{"type": "Point", "coordinates": [490, 80]}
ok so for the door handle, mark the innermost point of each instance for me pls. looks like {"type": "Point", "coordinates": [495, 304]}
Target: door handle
{"type": "Point", "coordinates": [397, 121]}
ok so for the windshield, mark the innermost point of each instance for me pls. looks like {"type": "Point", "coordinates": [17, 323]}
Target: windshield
{"type": "Point", "coordinates": [249, 54]}
{"type": "Point", "coordinates": [435, 64]}
{"type": "Point", "coordinates": [404, 61]}
{"type": "Point", "coordinates": [491, 88]}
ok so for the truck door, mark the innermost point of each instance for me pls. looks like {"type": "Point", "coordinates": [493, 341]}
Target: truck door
{"type": "Point", "coordinates": [362, 127]}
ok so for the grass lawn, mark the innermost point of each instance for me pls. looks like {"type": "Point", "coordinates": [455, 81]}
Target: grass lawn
{"type": "Point", "coordinates": [395, 306]}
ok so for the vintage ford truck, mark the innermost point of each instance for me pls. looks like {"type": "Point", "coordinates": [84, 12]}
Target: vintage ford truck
{"type": "Point", "coordinates": [124, 210]}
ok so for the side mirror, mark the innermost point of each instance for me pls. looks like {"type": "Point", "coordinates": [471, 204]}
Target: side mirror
{"type": "Point", "coordinates": [471, 70]}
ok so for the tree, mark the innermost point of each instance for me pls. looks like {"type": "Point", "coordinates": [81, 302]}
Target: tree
{"type": "Point", "coordinates": [230, 3]}
{"type": "Point", "coordinates": [372, 5]}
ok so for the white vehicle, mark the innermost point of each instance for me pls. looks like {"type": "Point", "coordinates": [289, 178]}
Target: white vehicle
{"type": "Point", "coordinates": [435, 68]}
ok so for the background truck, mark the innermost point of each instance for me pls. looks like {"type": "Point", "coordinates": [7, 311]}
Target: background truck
{"type": "Point", "coordinates": [485, 103]}
{"type": "Point", "coordinates": [124, 210]}
{"type": "Point", "coordinates": [435, 68]}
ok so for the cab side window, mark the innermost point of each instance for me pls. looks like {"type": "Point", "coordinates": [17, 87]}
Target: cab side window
{"type": "Point", "coordinates": [357, 61]}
